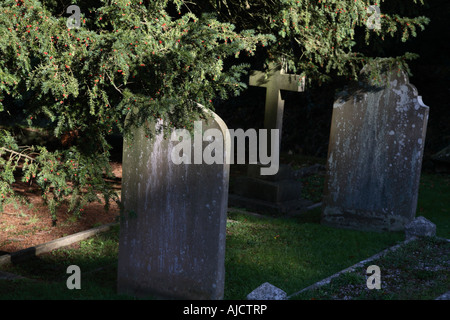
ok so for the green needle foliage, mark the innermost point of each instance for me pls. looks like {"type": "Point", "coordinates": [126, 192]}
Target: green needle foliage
{"type": "Point", "coordinates": [321, 38]}
{"type": "Point", "coordinates": [158, 58]}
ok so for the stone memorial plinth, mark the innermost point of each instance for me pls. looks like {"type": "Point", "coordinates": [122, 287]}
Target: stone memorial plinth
{"type": "Point", "coordinates": [271, 194]}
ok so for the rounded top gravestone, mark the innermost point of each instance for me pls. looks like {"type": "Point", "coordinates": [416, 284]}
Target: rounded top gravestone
{"type": "Point", "coordinates": [172, 234]}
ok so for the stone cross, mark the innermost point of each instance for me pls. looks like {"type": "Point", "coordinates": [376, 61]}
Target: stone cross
{"type": "Point", "coordinates": [279, 192]}
{"type": "Point", "coordinates": [274, 80]}
{"type": "Point", "coordinates": [377, 139]}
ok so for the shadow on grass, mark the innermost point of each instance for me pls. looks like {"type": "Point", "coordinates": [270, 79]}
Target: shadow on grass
{"type": "Point", "coordinates": [47, 273]}
{"type": "Point", "coordinates": [290, 253]}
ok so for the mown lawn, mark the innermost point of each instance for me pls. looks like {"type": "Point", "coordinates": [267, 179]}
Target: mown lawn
{"type": "Point", "coordinates": [290, 253]}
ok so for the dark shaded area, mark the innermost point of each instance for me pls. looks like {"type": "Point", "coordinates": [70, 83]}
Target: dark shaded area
{"type": "Point", "coordinates": [431, 75]}
{"type": "Point", "coordinates": [307, 115]}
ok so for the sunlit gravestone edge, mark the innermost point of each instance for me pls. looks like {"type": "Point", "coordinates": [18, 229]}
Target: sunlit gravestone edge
{"type": "Point", "coordinates": [173, 229]}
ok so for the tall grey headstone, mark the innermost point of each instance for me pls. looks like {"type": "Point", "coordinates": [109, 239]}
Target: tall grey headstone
{"type": "Point", "coordinates": [172, 235]}
{"type": "Point", "coordinates": [375, 154]}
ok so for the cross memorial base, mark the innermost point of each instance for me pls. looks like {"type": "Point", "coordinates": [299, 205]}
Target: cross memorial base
{"type": "Point", "coordinates": [271, 194]}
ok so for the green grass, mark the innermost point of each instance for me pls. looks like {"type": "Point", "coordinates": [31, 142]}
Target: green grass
{"type": "Point", "coordinates": [312, 187]}
{"type": "Point", "coordinates": [290, 253]}
{"type": "Point", "coordinates": [434, 202]}
{"type": "Point", "coordinates": [96, 257]}
{"type": "Point", "coordinates": [418, 270]}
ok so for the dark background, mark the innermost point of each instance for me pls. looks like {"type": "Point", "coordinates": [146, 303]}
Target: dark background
{"type": "Point", "coordinates": [307, 115]}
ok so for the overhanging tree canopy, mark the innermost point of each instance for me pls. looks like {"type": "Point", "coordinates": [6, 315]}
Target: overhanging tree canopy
{"type": "Point", "coordinates": [159, 58]}
{"type": "Point", "coordinates": [323, 37]}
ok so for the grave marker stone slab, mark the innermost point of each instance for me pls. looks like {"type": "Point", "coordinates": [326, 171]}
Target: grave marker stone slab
{"type": "Point", "coordinates": [267, 291]}
{"type": "Point", "coordinates": [172, 235]}
{"type": "Point", "coordinates": [375, 154]}
{"type": "Point", "coordinates": [420, 227]}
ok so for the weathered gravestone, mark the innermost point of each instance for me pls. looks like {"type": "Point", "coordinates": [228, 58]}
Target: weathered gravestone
{"type": "Point", "coordinates": [375, 156]}
{"type": "Point", "coordinates": [172, 235]}
{"type": "Point", "coordinates": [279, 192]}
